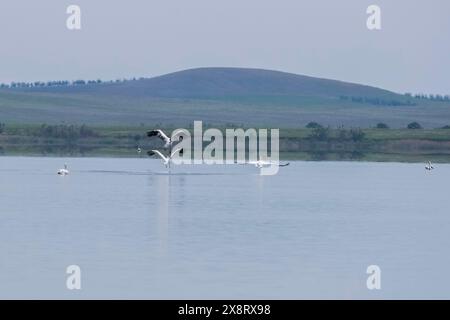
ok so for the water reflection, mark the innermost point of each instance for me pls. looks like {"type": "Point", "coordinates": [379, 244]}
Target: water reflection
{"type": "Point", "coordinates": [170, 193]}
{"type": "Point", "coordinates": [162, 187]}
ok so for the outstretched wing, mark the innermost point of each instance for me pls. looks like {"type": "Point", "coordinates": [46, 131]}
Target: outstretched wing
{"type": "Point", "coordinates": [180, 150]}
{"type": "Point", "coordinates": [160, 134]}
{"type": "Point", "coordinates": [153, 152]}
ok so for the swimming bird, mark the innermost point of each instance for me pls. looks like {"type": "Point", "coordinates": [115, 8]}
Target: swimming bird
{"type": "Point", "coordinates": [168, 142]}
{"type": "Point", "coordinates": [260, 164]}
{"type": "Point", "coordinates": [166, 159]}
{"type": "Point", "coordinates": [429, 166]}
{"type": "Point", "coordinates": [63, 172]}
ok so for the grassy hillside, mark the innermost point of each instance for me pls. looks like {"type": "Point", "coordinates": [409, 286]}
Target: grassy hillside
{"type": "Point", "coordinates": [213, 83]}
{"type": "Point", "coordinates": [220, 96]}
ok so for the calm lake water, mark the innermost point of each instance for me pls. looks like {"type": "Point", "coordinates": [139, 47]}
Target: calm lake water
{"type": "Point", "coordinates": [222, 231]}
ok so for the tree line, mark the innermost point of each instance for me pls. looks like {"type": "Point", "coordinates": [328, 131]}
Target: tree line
{"type": "Point", "coordinates": [377, 101]}
{"type": "Point", "coordinates": [395, 102]}
{"type": "Point", "coordinates": [433, 97]}
{"type": "Point", "coordinates": [60, 83]}
{"type": "Point", "coordinates": [65, 131]}
{"type": "Point", "coordinates": [380, 125]}
{"type": "Point", "coordinates": [322, 133]}
{"type": "Point", "coordinates": [61, 131]}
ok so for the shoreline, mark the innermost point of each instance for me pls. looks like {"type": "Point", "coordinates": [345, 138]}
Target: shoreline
{"type": "Point", "coordinates": [328, 157]}
{"type": "Point", "coordinates": [324, 144]}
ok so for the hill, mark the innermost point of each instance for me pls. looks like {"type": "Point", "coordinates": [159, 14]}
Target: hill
{"type": "Point", "coordinates": [214, 83]}
{"type": "Point", "coordinates": [251, 97]}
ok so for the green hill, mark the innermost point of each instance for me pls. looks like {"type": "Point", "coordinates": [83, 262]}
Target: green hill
{"type": "Point", "coordinates": [219, 96]}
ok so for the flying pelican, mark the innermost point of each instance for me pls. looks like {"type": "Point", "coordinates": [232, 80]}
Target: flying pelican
{"type": "Point", "coordinates": [63, 172]}
{"type": "Point", "coordinates": [429, 166]}
{"type": "Point", "coordinates": [168, 143]}
{"type": "Point", "coordinates": [166, 160]}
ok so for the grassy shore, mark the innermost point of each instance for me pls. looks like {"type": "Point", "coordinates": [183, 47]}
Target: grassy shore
{"type": "Point", "coordinates": [401, 145]}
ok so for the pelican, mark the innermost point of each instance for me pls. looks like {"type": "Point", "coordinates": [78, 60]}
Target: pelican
{"type": "Point", "coordinates": [139, 150]}
{"type": "Point", "coordinates": [63, 172]}
{"type": "Point", "coordinates": [429, 166]}
{"type": "Point", "coordinates": [166, 160]}
{"type": "Point", "coordinates": [168, 143]}
{"type": "Point", "coordinates": [260, 164]}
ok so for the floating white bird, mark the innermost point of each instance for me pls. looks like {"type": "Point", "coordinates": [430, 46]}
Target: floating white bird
{"type": "Point", "coordinates": [168, 143]}
{"type": "Point", "coordinates": [260, 164]}
{"type": "Point", "coordinates": [429, 166]}
{"type": "Point", "coordinates": [166, 159]}
{"type": "Point", "coordinates": [63, 172]}
{"type": "Point", "coordinates": [139, 151]}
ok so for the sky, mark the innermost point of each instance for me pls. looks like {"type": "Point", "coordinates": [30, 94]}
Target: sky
{"type": "Point", "coordinates": [145, 38]}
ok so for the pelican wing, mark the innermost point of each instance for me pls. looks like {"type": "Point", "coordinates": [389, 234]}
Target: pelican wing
{"type": "Point", "coordinates": [153, 152]}
{"type": "Point", "coordinates": [160, 134]}
{"type": "Point", "coordinates": [180, 150]}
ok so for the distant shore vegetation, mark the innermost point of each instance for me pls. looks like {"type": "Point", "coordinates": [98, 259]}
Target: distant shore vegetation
{"type": "Point", "coordinates": [409, 99]}
{"type": "Point", "coordinates": [62, 83]}
{"type": "Point", "coordinates": [315, 141]}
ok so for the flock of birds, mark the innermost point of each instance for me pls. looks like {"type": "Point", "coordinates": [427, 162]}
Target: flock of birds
{"type": "Point", "coordinates": [167, 159]}
{"type": "Point", "coordinates": [168, 144]}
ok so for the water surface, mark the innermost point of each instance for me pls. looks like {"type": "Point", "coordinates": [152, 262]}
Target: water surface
{"type": "Point", "coordinates": [222, 231]}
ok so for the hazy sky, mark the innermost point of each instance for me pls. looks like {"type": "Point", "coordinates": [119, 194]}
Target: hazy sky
{"type": "Point", "coordinates": [325, 38]}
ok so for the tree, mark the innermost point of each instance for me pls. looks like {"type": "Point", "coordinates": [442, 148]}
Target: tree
{"type": "Point", "coordinates": [357, 134]}
{"type": "Point", "coordinates": [2, 128]}
{"type": "Point", "coordinates": [382, 125]}
{"type": "Point", "coordinates": [446, 127]}
{"type": "Point", "coordinates": [321, 133]}
{"type": "Point", "coordinates": [313, 125]}
{"type": "Point", "coordinates": [414, 125]}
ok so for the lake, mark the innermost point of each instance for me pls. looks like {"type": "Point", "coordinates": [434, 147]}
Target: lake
{"type": "Point", "coordinates": [206, 232]}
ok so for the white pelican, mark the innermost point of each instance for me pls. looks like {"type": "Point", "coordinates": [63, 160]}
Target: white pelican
{"type": "Point", "coordinates": [260, 163]}
{"type": "Point", "coordinates": [63, 172]}
{"type": "Point", "coordinates": [166, 160]}
{"type": "Point", "coordinates": [429, 166]}
{"type": "Point", "coordinates": [168, 143]}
